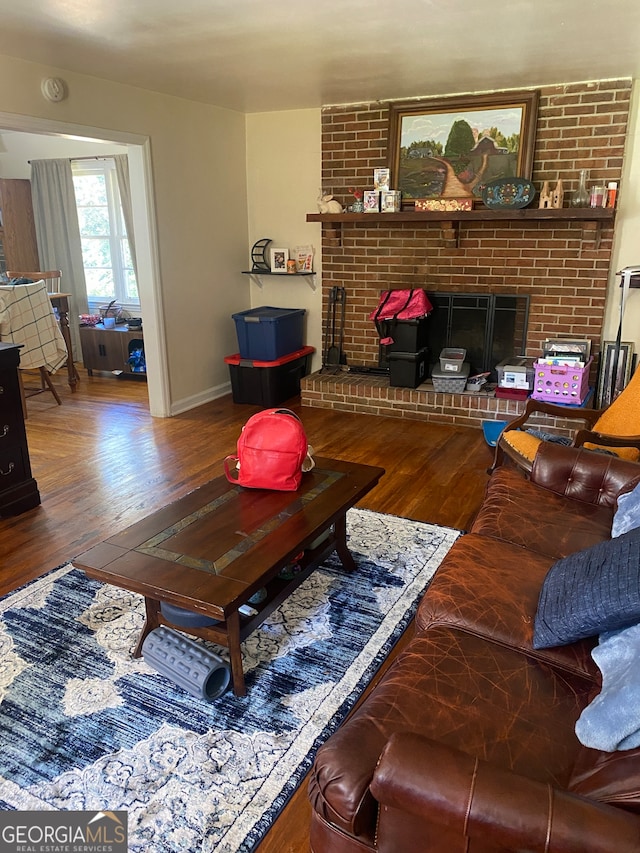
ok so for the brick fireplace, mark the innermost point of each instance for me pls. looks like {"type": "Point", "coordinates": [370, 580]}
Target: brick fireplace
{"type": "Point", "coordinates": [562, 265]}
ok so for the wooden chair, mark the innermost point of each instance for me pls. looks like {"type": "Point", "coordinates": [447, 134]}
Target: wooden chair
{"type": "Point", "coordinates": [52, 278]}
{"type": "Point", "coordinates": [615, 429]}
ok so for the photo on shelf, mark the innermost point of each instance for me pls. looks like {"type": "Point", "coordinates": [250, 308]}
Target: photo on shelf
{"type": "Point", "coordinates": [279, 258]}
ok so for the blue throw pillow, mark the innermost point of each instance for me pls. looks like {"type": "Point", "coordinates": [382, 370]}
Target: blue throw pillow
{"type": "Point", "coordinates": [590, 592]}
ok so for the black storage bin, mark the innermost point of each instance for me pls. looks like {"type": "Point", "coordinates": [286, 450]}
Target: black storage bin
{"type": "Point", "coordinates": [408, 369]}
{"type": "Point", "coordinates": [408, 335]}
{"type": "Point", "coordinates": [268, 383]}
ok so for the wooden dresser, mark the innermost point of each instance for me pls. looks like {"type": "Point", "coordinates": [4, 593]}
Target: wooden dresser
{"type": "Point", "coordinates": [18, 490]}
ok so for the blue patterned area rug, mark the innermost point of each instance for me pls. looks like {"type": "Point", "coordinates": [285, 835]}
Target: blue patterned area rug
{"type": "Point", "coordinates": [85, 726]}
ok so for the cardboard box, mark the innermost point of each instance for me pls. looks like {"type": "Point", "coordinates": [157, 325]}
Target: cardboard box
{"type": "Point", "coordinates": [443, 204]}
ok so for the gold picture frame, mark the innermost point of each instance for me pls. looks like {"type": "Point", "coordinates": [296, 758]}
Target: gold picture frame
{"type": "Point", "coordinates": [449, 147]}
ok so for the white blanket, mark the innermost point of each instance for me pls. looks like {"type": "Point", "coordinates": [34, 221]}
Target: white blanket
{"type": "Point", "coordinates": [27, 318]}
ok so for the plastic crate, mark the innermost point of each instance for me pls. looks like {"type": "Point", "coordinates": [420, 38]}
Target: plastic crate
{"type": "Point", "coordinates": [448, 382]}
{"type": "Point", "coordinates": [561, 383]}
{"type": "Point", "coordinates": [407, 369]}
{"type": "Point", "coordinates": [268, 383]}
{"type": "Point", "coordinates": [452, 359]}
{"type": "Point", "coordinates": [266, 333]}
{"type": "Point", "coordinates": [408, 335]}
{"type": "Point", "coordinates": [516, 372]}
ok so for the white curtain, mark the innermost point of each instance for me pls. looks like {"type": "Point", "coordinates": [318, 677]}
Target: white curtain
{"type": "Point", "coordinates": [58, 235]}
{"type": "Point", "coordinates": [124, 186]}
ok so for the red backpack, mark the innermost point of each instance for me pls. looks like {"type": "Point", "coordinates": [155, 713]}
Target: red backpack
{"type": "Point", "coordinates": [271, 451]}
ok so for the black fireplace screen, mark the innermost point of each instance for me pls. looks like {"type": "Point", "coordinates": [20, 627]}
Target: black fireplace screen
{"type": "Point", "coordinates": [490, 327]}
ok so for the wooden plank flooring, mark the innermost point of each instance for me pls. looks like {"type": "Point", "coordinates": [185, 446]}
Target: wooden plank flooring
{"type": "Point", "coordinates": [102, 462]}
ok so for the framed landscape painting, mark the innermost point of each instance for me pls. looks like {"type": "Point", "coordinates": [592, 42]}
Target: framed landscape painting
{"type": "Point", "coordinates": [451, 147]}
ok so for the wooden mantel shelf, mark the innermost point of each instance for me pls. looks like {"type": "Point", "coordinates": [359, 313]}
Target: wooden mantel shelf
{"type": "Point", "coordinates": [585, 214]}
{"type": "Point", "coordinates": [450, 220]}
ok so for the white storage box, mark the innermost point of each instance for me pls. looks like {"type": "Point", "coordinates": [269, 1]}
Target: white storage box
{"type": "Point", "coordinates": [517, 372]}
{"type": "Point", "coordinates": [452, 359]}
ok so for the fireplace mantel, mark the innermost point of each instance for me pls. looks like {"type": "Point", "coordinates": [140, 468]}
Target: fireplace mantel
{"type": "Point", "coordinates": [450, 220]}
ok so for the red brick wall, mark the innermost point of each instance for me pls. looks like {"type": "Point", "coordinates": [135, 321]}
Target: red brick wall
{"type": "Point", "coordinates": [580, 126]}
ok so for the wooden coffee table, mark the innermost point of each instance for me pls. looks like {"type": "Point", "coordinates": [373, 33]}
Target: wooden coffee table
{"type": "Point", "coordinates": [211, 550]}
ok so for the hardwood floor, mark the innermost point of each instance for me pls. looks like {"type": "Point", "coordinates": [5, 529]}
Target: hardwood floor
{"type": "Point", "coordinates": [102, 462]}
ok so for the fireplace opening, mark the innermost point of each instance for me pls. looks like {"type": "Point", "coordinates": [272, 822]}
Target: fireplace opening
{"type": "Point", "coordinates": [490, 327]}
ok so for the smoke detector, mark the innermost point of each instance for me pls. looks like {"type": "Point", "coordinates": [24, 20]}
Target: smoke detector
{"type": "Point", "coordinates": [54, 89]}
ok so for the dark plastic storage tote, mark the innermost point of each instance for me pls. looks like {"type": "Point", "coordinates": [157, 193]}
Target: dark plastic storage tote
{"type": "Point", "coordinates": [268, 383]}
{"type": "Point", "coordinates": [267, 333]}
{"type": "Point", "coordinates": [408, 369]}
{"type": "Point", "coordinates": [408, 335]}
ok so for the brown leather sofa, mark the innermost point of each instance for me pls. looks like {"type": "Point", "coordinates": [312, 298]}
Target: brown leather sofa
{"type": "Point", "coordinates": [467, 744]}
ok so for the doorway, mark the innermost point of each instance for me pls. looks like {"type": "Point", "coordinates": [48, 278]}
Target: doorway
{"type": "Point", "coordinates": [138, 149]}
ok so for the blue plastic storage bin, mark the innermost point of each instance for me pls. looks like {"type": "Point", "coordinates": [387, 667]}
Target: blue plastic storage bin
{"type": "Point", "coordinates": [266, 333]}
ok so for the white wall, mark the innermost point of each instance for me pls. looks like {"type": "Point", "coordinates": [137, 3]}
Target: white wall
{"type": "Point", "coordinates": [198, 155]}
{"type": "Point", "coordinates": [627, 242]}
{"type": "Point", "coordinates": [283, 176]}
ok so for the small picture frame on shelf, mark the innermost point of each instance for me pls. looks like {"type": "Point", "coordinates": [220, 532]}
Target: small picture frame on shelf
{"type": "Point", "coordinates": [371, 201]}
{"type": "Point", "coordinates": [391, 201]}
{"type": "Point", "coordinates": [279, 258]}
{"type": "Point", "coordinates": [381, 179]}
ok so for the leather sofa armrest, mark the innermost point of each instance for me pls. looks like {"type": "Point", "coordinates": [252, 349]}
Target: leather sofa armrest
{"type": "Point", "coordinates": [474, 799]}
{"type": "Point", "coordinates": [583, 475]}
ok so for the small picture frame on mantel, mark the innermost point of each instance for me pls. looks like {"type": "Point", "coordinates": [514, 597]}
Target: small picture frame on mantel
{"type": "Point", "coordinates": [279, 258]}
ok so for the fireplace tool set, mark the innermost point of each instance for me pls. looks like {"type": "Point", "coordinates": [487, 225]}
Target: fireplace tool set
{"type": "Point", "coordinates": [332, 354]}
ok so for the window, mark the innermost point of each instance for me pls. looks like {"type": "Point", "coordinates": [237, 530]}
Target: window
{"type": "Point", "coordinates": [108, 267]}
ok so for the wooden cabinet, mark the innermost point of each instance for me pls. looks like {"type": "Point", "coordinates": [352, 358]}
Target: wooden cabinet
{"type": "Point", "coordinates": [110, 349]}
{"type": "Point", "coordinates": [18, 246]}
{"type": "Point", "coordinates": [18, 489]}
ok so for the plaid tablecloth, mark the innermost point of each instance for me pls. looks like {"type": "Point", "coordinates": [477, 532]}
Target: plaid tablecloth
{"type": "Point", "coordinates": [27, 318]}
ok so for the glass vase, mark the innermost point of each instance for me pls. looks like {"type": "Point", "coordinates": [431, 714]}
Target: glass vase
{"type": "Point", "coordinates": [580, 197]}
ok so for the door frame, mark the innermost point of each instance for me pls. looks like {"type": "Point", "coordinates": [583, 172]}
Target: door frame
{"type": "Point", "coordinates": [146, 233]}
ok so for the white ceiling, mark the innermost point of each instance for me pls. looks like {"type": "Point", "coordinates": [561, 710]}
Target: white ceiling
{"type": "Point", "coordinates": [253, 56]}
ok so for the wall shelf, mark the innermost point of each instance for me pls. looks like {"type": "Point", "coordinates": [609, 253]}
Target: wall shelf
{"type": "Point", "coordinates": [257, 275]}
{"type": "Point", "coordinates": [450, 220]}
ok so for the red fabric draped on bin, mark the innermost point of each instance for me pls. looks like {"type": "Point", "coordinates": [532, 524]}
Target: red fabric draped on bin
{"type": "Point", "coordinates": [399, 305]}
